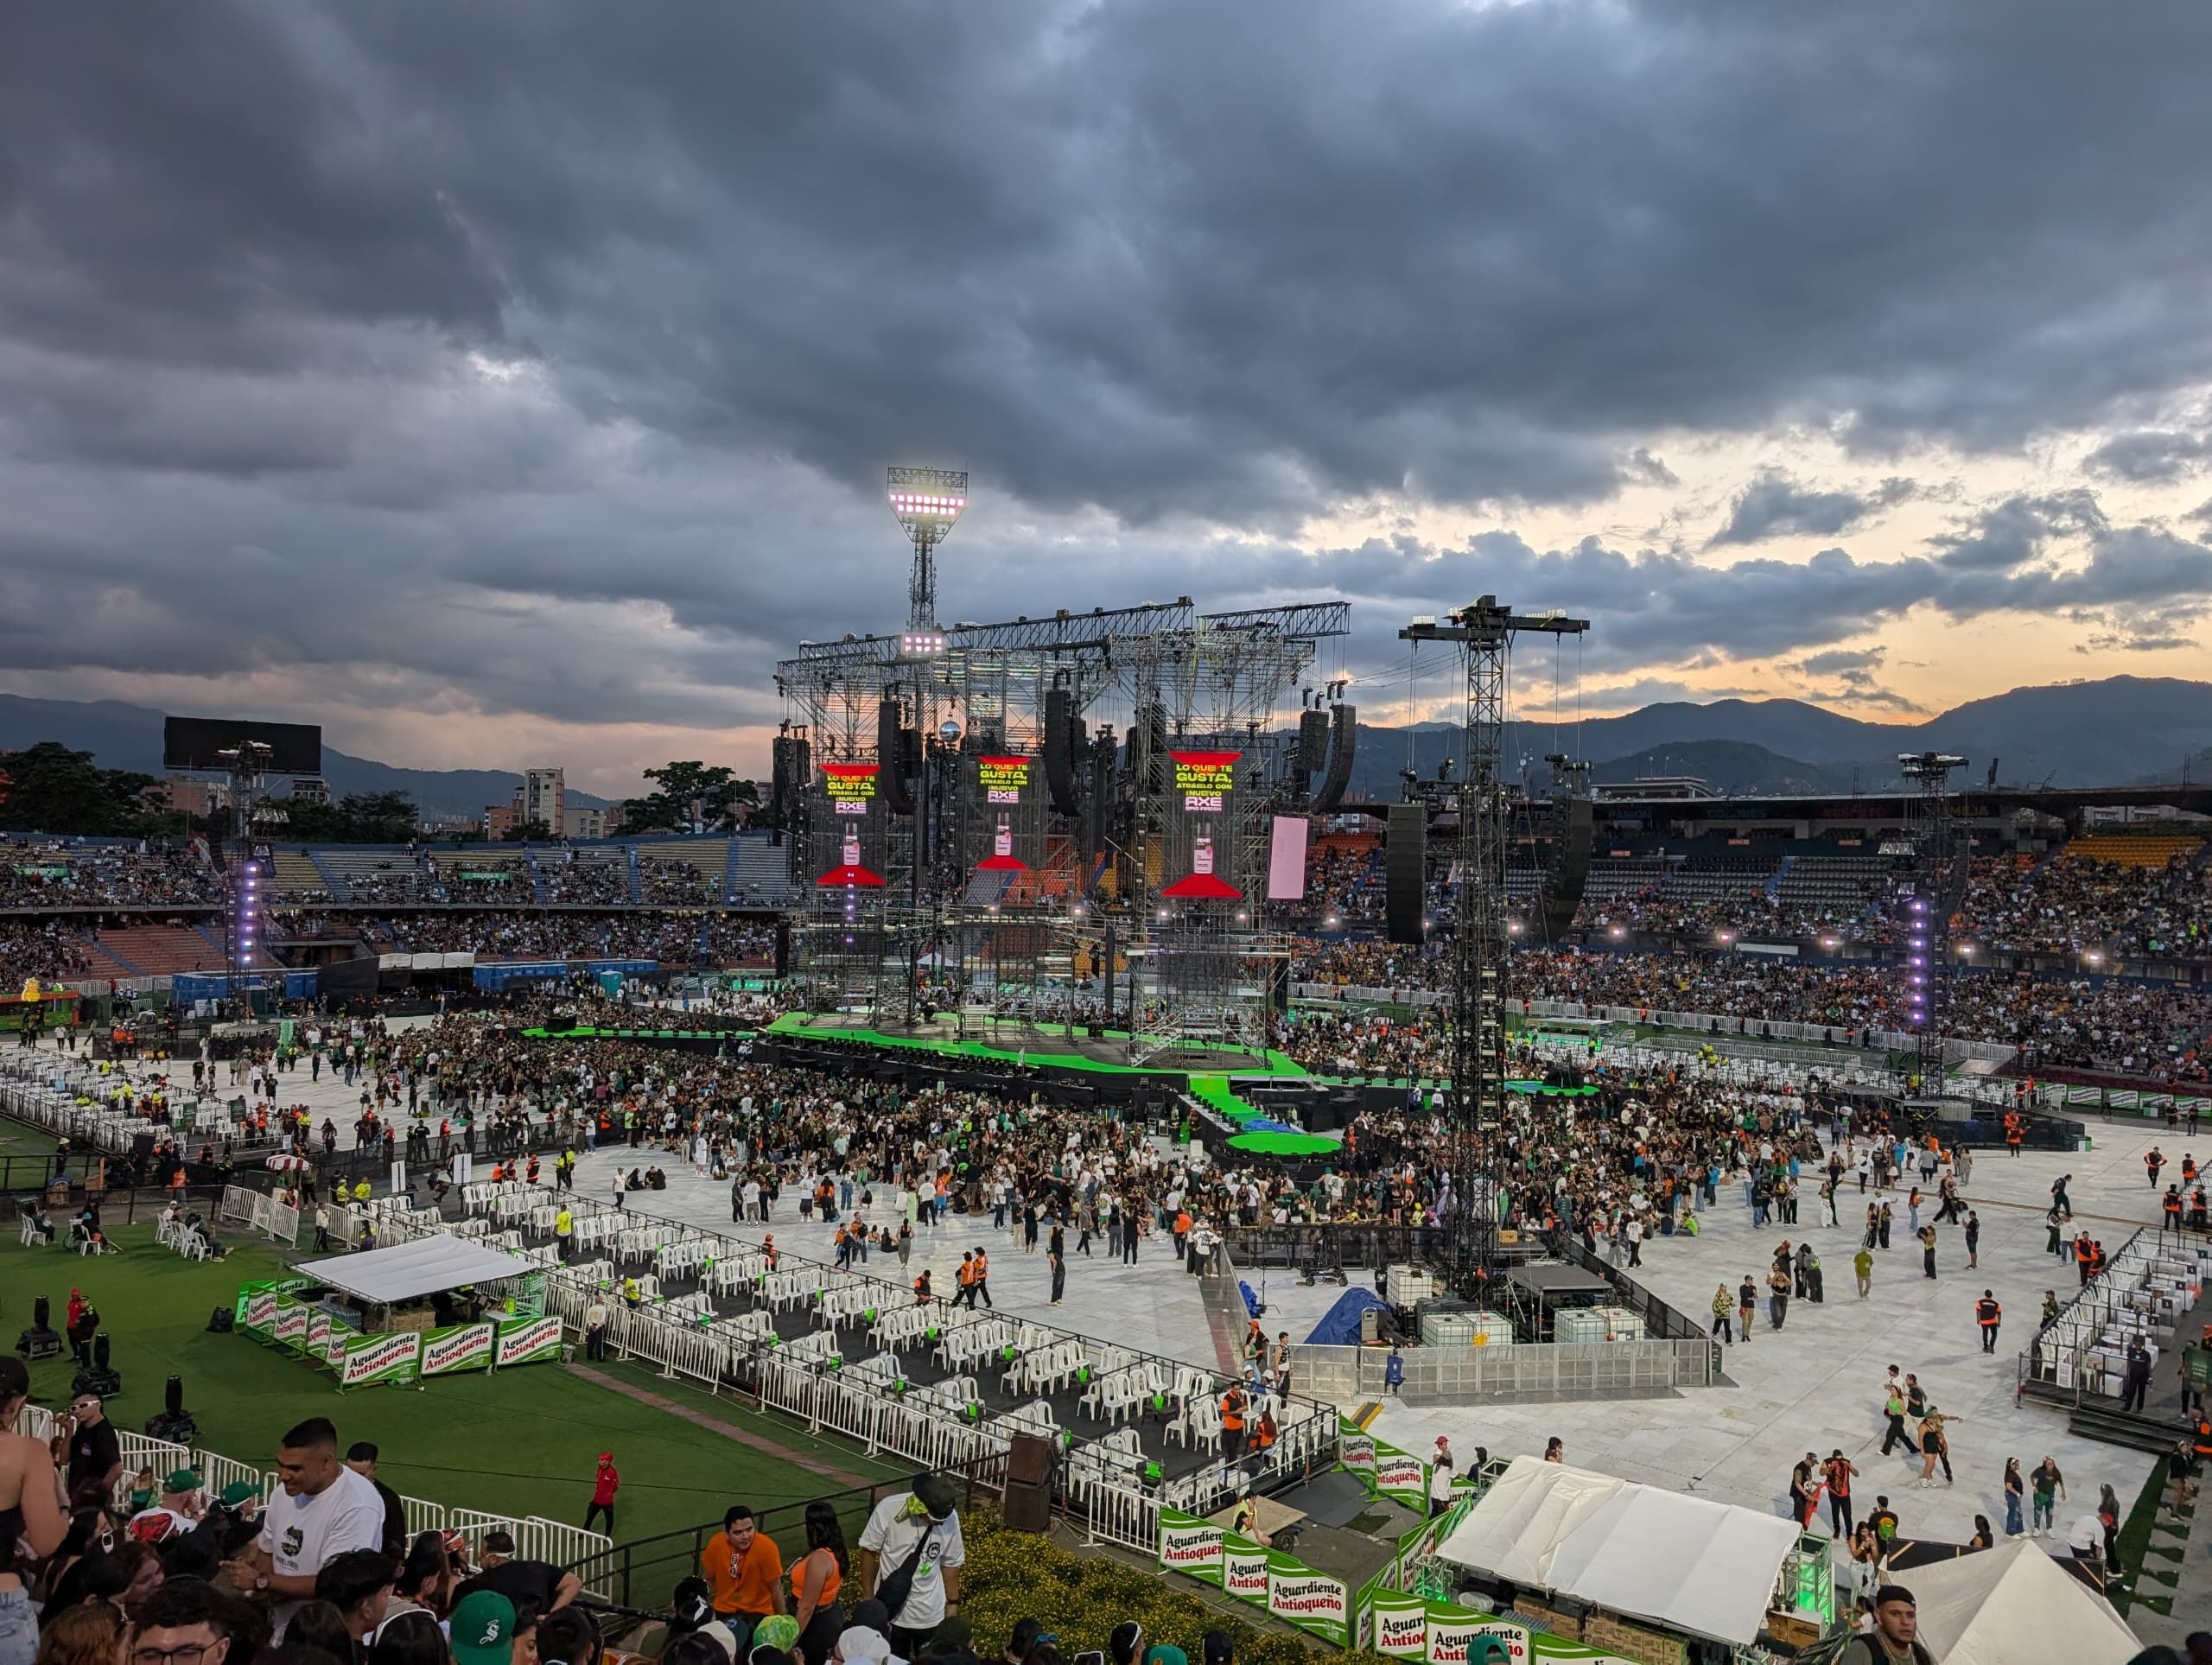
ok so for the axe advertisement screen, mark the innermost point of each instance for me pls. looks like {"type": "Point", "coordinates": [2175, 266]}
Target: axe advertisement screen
{"type": "Point", "coordinates": [850, 790]}
{"type": "Point", "coordinates": [1204, 779]}
{"type": "Point", "coordinates": [1200, 846]}
{"type": "Point", "coordinates": [850, 786]}
{"type": "Point", "coordinates": [1004, 781]}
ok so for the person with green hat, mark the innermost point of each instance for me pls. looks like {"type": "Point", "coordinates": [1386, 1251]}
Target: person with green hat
{"type": "Point", "coordinates": [171, 1514]}
{"type": "Point", "coordinates": [482, 1630]}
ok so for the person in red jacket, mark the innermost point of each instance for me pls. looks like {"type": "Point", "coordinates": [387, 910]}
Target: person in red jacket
{"type": "Point", "coordinates": [604, 1485]}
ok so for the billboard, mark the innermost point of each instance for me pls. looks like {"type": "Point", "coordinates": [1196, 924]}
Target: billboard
{"type": "Point", "coordinates": [1010, 800]}
{"type": "Point", "coordinates": [371, 1359]}
{"type": "Point", "coordinates": [295, 748]}
{"type": "Point", "coordinates": [850, 791]}
{"type": "Point", "coordinates": [1198, 815]}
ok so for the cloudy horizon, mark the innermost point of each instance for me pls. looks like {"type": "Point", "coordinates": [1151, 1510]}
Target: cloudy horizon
{"type": "Point", "coordinates": [514, 383]}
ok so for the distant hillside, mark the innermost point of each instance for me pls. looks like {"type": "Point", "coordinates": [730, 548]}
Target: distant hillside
{"type": "Point", "coordinates": [1727, 765]}
{"type": "Point", "coordinates": [2111, 733]}
{"type": "Point", "coordinates": [124, 736]}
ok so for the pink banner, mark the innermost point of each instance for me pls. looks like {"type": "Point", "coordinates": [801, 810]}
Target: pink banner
{"type": "Point", "coordinates": [1286, 859]}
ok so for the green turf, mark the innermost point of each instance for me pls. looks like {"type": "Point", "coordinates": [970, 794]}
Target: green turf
{"type": "Point", "coordinates": [518, 1442]}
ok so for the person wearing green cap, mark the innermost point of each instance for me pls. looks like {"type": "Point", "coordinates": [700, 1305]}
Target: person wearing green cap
{"type": "Point", "coordinates": [171, 1514]}
{"type": "Point", "coordinates": [482, 1630]}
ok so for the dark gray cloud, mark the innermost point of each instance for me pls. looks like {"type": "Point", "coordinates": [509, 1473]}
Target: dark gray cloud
{"type": "Point", "coordinates": [2008, 534]}
{"type": "Point", "coordinates": [1775, 506]}
{"type": "Point", "coordinates": [2150, 456]}
{"type": "Point", "coordinates": [1842, 662]}
{"type": "Point", "coordinates": [537, 357]}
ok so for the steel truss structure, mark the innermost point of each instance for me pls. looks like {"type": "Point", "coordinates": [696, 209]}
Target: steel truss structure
{"type": "Point", "coordinates": [1939, 885]}
{"type": "Point", "coordinates": [1478, 1136]}
{"type": "Point", "coordinates": [1170, 679]}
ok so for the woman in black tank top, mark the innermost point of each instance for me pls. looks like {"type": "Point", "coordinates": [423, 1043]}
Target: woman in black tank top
{"type": "Point", "coordinates": [30, 1509]}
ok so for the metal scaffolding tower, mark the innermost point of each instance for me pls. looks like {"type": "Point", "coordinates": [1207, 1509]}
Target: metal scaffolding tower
{"type": "Point", "coordinates": [1939, 883]}
{"type": "Point", "coordinates": [1484, 630]}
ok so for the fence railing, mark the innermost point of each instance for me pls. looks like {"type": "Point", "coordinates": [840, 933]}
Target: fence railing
{"type": "Point", "coordinates": [535, 1538]}
{"type": "Point", "coordinates": [644, 1573]}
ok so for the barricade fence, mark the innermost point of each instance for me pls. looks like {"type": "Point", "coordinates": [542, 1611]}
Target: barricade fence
{"type": "Point", "coordinates": [687, 1341]}
{"type": "Point", "coordinates": [535, 1538]}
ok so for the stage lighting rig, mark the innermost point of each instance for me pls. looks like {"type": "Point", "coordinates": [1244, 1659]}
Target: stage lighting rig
{"type": "Point", "coordinates": [926, 502]}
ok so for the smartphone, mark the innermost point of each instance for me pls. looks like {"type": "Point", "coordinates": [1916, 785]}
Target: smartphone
{"type": "Point", "coordinates": [1094, 1657]}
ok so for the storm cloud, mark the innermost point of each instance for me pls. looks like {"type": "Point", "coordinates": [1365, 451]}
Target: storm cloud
{"type": "Point", "coordinates": [542, 359]}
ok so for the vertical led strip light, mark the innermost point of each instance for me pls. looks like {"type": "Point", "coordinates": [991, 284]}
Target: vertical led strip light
{"type": "Point", "coordinates": [1916, 963]}
{"type": "Point", "coordinates": [249, 913]}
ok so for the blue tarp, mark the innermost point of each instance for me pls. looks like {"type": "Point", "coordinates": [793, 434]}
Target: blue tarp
{"type": "Point", "coordinates": [187, 986]}
{"type": "Point", "coordinates": [1339, 1325]}
{"type": "Point", "coordinates": [505, 973]}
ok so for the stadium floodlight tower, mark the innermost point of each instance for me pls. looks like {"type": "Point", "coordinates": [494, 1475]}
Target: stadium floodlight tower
{"type": "Point", "coordinates": [926, 501]}
{"type": "Point", "coordinates": [1939, 882]}
{"type": "Point", "coordinates": [1484, 630]}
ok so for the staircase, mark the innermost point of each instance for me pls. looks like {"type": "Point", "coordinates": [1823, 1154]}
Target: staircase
{"type": "Point", "coordinates": [538, 890]}
{"type": "Point", "coordinates": [105, 961]}
{"type": "Point", "coordinates": [162, 951]}
{"type": "Point", "coordinates": [2110, 1425]}
{"type": "Point", "coordinates": [1774, 885]}
{"type": "Point", "coordinates": [329, 878]}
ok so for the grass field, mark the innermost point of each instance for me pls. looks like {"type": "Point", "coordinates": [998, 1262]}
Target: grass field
{"type": "Point", "coordinates": [519, 1442]}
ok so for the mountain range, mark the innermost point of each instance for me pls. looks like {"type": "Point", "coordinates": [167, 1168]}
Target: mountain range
{"type": "Point", "coordinates": [2118, 731]}
{"type": "Point", "coordinates": [124, 736]}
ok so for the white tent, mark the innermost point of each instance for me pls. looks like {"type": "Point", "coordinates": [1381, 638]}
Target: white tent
{"type": "Point", "coordinates": [421, 1267]}
{"type": "Point", "coordinates": [2013, 1603]}
{"type": "Point", "coordinates": [1695, 1565]}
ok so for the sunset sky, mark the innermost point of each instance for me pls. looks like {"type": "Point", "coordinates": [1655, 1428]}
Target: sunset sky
{"type": "Point", "coordinates": [512, 384]}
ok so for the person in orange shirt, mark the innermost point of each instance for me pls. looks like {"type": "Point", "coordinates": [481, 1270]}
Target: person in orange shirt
{"type": "Point", "coordinates": [744, 1572]}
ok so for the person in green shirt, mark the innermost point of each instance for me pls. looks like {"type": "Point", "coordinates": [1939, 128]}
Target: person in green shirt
{"type": "Point", "coordinates": [1862, 1267]}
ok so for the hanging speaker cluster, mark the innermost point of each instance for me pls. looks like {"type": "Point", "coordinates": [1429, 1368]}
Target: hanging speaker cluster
{"type": "Point", "coordinates": [891, 754]}
{"type": "Point", "coordinates": [1312, 739]}
{"type": "Point", "coordinates": [1060, 723]}
{"type": "Point", "coordinates": [1405, 860]}
{"type": "Point", "coordinates": [1345, 720]}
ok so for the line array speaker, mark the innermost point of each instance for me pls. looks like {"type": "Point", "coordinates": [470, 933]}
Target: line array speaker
{"type": "Point", "coordinates": [1346, 723]}
{"type": "Point", "coordinates": [1312, 739]}
{"type": "Point", "coordinates": [1405, 860]}
{"type": "Point", "coordinates": [1563, 892]}
{"type": "Point", "coordinates": [891, 777]}
{"type": "Point", "coordinates": [1060, 761]}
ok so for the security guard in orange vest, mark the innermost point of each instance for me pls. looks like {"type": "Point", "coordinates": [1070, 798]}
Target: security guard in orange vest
{"type": "Point", "coordinates": [1232, 1422]}
{"type": "Point", "coordinates": [1988, 1312]}
{"type": "Point", "coordinates": [966, 1274]}
{"type": "Point", "coordinates": [2200, 1442]}
{"type": "Point", "coordinates": [982, 1292]}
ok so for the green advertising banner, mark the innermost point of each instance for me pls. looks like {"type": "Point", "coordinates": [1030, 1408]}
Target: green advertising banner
{"type": "Point", "coordinates": [527, 1341]}
{"type": "Point", "coordinates": [291, 1327]}
{"type": "Point", "coordinates": [261, 1312]}
{"type": "Point", "coordinates": [459, 1347]}
{"type": "Point", "coordinates": [371, 1359]}
{"type": "Point", "coordinates": [1191, 1545]}
{"type": "Point", "coordinates": [1285, 1586]}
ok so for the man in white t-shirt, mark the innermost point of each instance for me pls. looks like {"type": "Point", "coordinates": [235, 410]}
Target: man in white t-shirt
{"type": "Point", "coordinates": [926, 1517]}
{"type": "Point", "coordinates": [325, 1509]}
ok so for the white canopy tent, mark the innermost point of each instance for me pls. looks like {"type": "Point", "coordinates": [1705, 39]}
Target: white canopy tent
{"type": "Point", "coordinates": [422, 1268]}
{"type": "Point", "coordinates": [2012, 1603]}
{"type": "Point", "coordinates": [1705, 1568]}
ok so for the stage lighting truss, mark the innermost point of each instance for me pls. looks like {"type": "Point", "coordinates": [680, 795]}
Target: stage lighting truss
{"type": "Point", "coordinates": [926, 501]}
